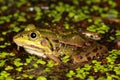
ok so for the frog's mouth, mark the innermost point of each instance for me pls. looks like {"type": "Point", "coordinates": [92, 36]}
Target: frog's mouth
{"type": "Point", "coordinates": [34, 52]}
{"type": "Point", "coordinates": [32, 49]}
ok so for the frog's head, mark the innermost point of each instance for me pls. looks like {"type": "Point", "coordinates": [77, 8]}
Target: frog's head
{"type": "Point", "coordinates": [33, 42]}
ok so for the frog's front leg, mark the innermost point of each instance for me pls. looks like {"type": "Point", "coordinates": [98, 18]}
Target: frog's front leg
{"type": "Point", "coordinates": [54, 58]}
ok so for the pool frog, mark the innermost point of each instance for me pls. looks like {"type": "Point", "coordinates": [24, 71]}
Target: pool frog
{"type": "Point", "coordinates": [48, 44]}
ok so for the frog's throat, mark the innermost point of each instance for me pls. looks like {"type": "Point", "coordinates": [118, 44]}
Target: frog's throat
{"type": "Point", "coordinates": [33, 49]}
{"type": "Point", "coordinates": [34, 52]}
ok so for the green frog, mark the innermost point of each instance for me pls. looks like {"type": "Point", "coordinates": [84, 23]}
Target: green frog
{"type": "Point", "coordinates": [48, 44]}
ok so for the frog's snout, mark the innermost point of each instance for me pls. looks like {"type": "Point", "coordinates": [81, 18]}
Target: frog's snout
{"type": "Point", "coordinates": [16, 37]}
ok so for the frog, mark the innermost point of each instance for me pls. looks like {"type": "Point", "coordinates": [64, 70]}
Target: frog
{"type": "Point", "coordinates": [48, 44]}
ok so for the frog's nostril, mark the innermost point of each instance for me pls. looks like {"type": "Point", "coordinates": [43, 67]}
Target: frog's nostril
{"type": "Point", "coordinates": [20, 35]}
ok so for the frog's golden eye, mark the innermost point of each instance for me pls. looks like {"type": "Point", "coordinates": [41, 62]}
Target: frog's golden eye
{"type": "Point", "coordinates": [33, 35]}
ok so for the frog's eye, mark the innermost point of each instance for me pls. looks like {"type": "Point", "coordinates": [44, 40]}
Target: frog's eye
{"type": "Point", "coordinates": [33, 35]}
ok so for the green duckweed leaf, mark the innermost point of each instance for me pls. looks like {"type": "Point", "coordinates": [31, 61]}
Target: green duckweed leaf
{"type": "Point", "coordinates": [17, 62]}
{"type": "Point", "coordinates": [9, 68]}
{"type": "Point", "coordinates": [41, 78]}
{"type": "Point", "coordinates": [40, 61]}
{"type": "Point", "coordinates": [2, 63]}
{"type": "Point", "coordinates": [70, 73]}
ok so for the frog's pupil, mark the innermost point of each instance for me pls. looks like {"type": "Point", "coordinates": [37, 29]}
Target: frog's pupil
{"type": "Point", "coordinates": [33, 35]}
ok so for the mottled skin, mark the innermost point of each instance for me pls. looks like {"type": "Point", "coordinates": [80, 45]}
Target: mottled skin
{"type": "Point", "coordinates": [45, 43]}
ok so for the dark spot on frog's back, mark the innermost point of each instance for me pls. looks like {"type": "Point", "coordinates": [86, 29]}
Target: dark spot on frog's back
{"type": "Point", "coordinates": [94, 57]}
{"type": "Point", "coordinates": [56, 41]}
{"type": "Point", "coordinates": [80, 57]}
{"type": "Point", "coordinates": [87, 53]}
{"type": "Point", "coordinates": [95, 49]}
{"type": "Point", "coordinates": [98, 55]}
{"type": "Point", "coordinates": [89, 58]}
{"type": "Point", "coordinates": [100, 47]}
{"type": "Point", "coordinates": [57, 49]}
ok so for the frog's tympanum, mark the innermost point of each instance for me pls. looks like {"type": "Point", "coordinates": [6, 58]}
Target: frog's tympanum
{"type": "Point", "coordinates": [48, 44]}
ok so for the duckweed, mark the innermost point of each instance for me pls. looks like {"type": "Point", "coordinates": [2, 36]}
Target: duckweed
{"type": "Point", "coordinates": [113, 55]}
{"type": "Point", "coordinates": [2, 63]}
{"type": "Point", "coordinates": [4, 74]}
{"type": "Point", "coordinates": [11, 54]}
{"type": "Point", "coordinates": [28, 60]}
{"type": "Point", "coordinates": [17, 62]}
{"type": "Point", "coordinates": [98, 66]}
{"type": "Point", "coordinates": [111, 77]}
{"type": "Point", "coordinates": [1, 22]}
{"type": "Point", "coordinates": [117, 33]}
{"type": "Point", "coordinates": [38, 13]}
{"type": "Point", "coordinates": [3, 54]}
{"type": "Point", "coordinates": [98, 27]}
{"type": "Point", "coordinates": [81, 73]}
{"type": "Point", "coordinates": [25, 75]}
{"type": "Point", "coordinates": [9, 68]}
{"type": "Point", "coordinates": [3, 8]}
{"type": "Point", "coordinates": [40, 61]}
{"type": "Point", "coordinates": [47, 70]}
{"type": "Point", "coordinates": [76, 2]}
{"type": "Point", "coordinates": [19, 69]}
{"type": "Point", "coordinates": [50, 63]}
{"type": "Point", "coordinates": [70, 74]}
{"type": "Point", "coordinates": [111, 38]}
{"type": "Point", "coordinates": [1, 39]}
{"type": "Point", "coordinates": [21, 3]}
{"type": "Point", "coordinates": [31, 76]}
{"type": "Point", "coordinates": [87, 67]}
{"type": "Point", "coordinates": [5, 45]}
{"type": "Point", "coordinates": [117, 69]}
{"type": "Point", "coordinates": [67, 26]}
{"type": "Point", "coordinates": [65, 59]}
{"type": "Point", "coordinates": [22, 19]}
{"type": "Point", "coordinates": [4, 19]}
{"type": "Point", "coordinates": [4, 33]}
{"type": "Point", "coordinates": [67, 13]}
{"type": "Point", "coordinates": [41, 78]}
{"type": "Point", "coordinates": [35, 65]}
{"type": "Point", "coordinates": [2, 46]}
{"type": "Point", "coordinates": [112, 3]}
{"type": "Point", "coordinates": [91, 78]}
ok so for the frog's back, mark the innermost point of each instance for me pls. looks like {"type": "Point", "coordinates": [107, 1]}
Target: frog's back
{"type": "Point", "coordinates": [91, 52]}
